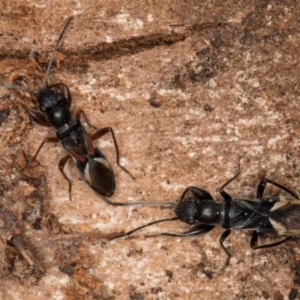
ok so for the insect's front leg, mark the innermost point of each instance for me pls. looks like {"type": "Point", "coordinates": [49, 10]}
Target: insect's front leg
{"type": "Point", "coordinates": [221, 189]}
{"type": "Point", "coordinates": [64, 93]}
{"type": "Point", "coordinates": [201, 194]}
{"type": "Point", "coordinates": [38, 117]}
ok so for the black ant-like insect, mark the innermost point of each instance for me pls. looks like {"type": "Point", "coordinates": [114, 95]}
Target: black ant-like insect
{"type": "Point", "coordinates": [54, 102]}
{"type": "Point", "coordinates": [271, 215]}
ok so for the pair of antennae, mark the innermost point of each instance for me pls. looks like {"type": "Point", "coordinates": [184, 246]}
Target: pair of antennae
{"type": "Point", "coordinates": [16, 87]}
{"type": "Point", "coordinates": [128, 233]}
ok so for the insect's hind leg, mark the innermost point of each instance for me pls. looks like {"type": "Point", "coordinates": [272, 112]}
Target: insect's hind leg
{"type": "Point", "coordinates": [64, 93]}
{"type": "Point", "coordinates": [254, 240]}
{"type": "Point", "coordinates": [101, 132]}
{"type": "Point", "coordinates": [262, 185]}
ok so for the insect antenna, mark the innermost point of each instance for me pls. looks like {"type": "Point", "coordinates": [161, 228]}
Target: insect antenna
{"type": "Point", "coordinates": [55, 49]}
{"type": "Point", "coordinates": [141, 227]}
{"type": "Point", "coordinates": [141, 203]}
{"type": "Point", "coordinates": [16, 87]}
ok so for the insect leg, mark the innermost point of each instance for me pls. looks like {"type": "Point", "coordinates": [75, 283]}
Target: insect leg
{"type": "Point", "coordinates": [262, 184]}
{"type": "Point", "coordinates": [221, 190]}
{"type": "Point", "coordinates": [198, 192]}
{"type": "Point", "coordinates": [101, 132]}
{"type": "Point", "coordinates": [254, 239]}
{"type": "Point", "coordinates": [61, 166]}
{"type": "Point", "coordinates": [78, 115]}
{"type": "Point", "coordinates": [64, 91]}
{"type": "Point", "coordinates": [223, 237]}
{"type": "Point", "coordinates": [46, 140]}
{"type": "Point", "coordinates": [38, 117]}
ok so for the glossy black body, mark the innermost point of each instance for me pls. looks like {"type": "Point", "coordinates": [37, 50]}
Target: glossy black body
{"type": "Point", "coordinates": [54, 104]}
{"type": "Point", "coordinates": [90, 161]}
{"type": "Point", "coordinates": [271, 215]}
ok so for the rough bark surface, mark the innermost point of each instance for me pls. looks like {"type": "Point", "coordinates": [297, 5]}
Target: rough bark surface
{"type": "Point", "coordinates": [190, 88]}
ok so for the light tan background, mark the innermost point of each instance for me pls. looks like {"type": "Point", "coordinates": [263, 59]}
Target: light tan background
{"type": "Point", "coordinates": [190, 87]}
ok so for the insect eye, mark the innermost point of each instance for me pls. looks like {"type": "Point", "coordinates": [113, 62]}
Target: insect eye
{"type": "Point", "coordinates": [43, 108]}
{"type": "Point", "coordinates": [191, 221]}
